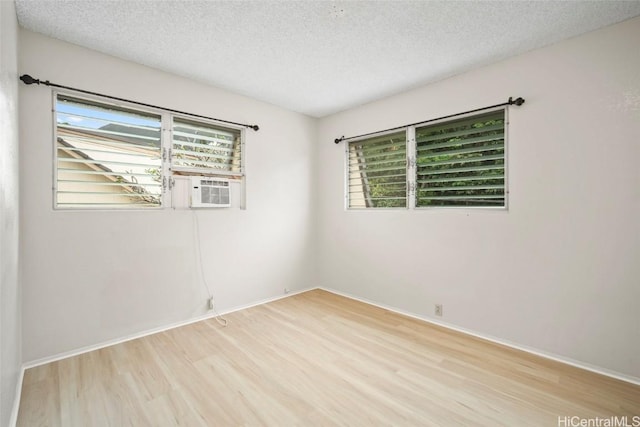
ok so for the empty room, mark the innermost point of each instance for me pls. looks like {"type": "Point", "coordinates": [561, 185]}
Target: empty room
{"type": "Point", "coordinates": [319, 213]}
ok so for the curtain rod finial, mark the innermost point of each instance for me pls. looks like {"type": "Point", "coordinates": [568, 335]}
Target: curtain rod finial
{"type": "Point", "coordinates": [338, 140]}
{"type": "Point", "coordinates": [28, 80]}
{"type": "Point", "coordinates": [518, 101]}
{"type": "Point", "coordinates": [255, 127]}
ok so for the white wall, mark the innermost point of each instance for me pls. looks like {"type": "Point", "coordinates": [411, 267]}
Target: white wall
{"type": "Point", "coordinates": [10, 357]}
{"type": "Point", "coordinates": [89, 277]}
{"type": "Point", "coordinates": [560, 270]}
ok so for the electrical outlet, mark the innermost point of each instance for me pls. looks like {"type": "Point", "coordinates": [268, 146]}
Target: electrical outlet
{"type": "Point", "coordinates": [210, 303]}
{"type": "Point", "coordinates": [439, 310]}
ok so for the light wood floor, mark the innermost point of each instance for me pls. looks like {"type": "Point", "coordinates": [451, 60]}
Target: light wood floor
{"type": "Point", "coordinates": [315, 359]}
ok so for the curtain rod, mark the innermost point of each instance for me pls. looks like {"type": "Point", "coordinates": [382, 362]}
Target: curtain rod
{"type": "Point", "coordinates": [28, 80]}
{"type": "Point", "coordinates": [518, 101]}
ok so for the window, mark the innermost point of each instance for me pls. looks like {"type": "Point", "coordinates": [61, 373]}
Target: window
{"type": "Point", "coordinates": [456, 163]}
{"type": "Point", "coordinates": [461, 162]}
{"type": "Point", "coordinates": [106, 156]}
{"type": "Point", "coordinates": [199, 148]}
{"type": "Point", "coordinates": [110, 156]}
{"type": "Point", "coordinates": [378, 172]}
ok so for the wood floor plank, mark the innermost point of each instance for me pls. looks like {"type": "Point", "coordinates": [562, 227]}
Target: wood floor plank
{"type": "Point", "coordinates": [315, 359]}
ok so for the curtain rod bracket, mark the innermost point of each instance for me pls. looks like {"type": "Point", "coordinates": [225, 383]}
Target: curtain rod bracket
{"type": "Point", "coordinates": [28, 80]}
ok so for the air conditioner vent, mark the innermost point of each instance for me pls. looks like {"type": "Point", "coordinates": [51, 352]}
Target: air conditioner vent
{"type": "Point", "coordinates": [207, 192]}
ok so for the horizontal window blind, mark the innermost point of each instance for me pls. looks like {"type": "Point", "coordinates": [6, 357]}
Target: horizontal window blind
{"type": "Point", "coordinates": [377, 172]}
{"type": "Point", "coordinates": [462, 162]}
{"type": "Point", "coordinates": [106, 156]}
{"type": "Point", "coordinates": [200, 148]}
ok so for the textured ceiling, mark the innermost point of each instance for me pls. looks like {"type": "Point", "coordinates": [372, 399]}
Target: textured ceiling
{"type": "Point", "coordinates": [317, 57]}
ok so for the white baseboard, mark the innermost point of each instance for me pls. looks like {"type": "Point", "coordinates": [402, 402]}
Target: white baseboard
{"type": "Point", "coordinates": [531, 350]}
{"type": "Point", "coordinates": [13, 420]}
{"type": "Point", "coordinates": [108, 343]}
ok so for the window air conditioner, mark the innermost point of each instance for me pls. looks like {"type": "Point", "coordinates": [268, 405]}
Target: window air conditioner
{"type": "Point", "coordinates": [209, 192]}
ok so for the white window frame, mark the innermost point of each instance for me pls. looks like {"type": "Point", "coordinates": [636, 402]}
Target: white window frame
{"type": "Point", "coordinates": [166, 143]}
{"type": "Point", "coordinates": [412, 169]}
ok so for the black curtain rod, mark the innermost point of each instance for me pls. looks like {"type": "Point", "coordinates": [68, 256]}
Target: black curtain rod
{"type": "Point", "coordinates": [511, 101]}
{"type": "Point", "coordinates": [28, 80]}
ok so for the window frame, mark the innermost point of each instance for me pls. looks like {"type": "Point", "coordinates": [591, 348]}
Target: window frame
{"type": "Point", "coordinates": [412, 169]}
{"type": "Point", "coordinates": [166, 143]}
